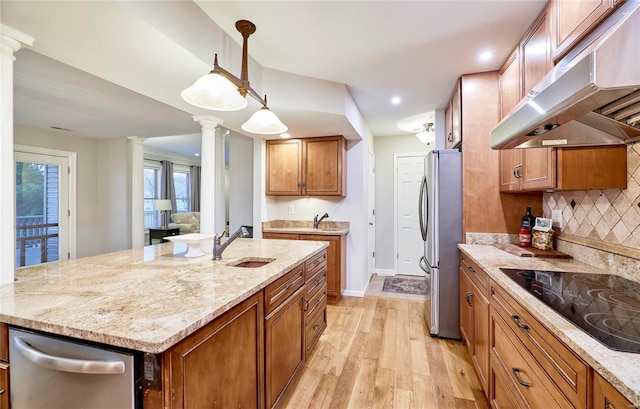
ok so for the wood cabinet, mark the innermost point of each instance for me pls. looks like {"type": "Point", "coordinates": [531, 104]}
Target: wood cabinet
{"type": "Point", "coordinates": [336, 260]}
{"type": "Point", "coordinates": [570, 21]}
{"type": "Point", "coordinates": [453, 119]}
{"type": "Point", "coordinates": [315, 299]}
{"type": "Point", "coordinates": [4, 366]}
{"type": "Point", "coordinates": [284, 346]}
{"type": "Point", "coordinates": [606, 396]}
{"type": "Point", "coordinates": [307, 167]}
{"type": "Point", "coordinates": [198, 369]}
{"type": "Point", "coordinates": [474, 317]}
{"type": "Point", "coordinates": [579, 168]}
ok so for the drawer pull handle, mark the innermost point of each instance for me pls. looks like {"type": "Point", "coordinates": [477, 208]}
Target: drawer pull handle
{"type": "Point", "coordinates": [306, 304]}
{"type": "Point", "coordinates": [471, 269]}
{"type": "Point", "coordinates": [317, 303]}
{"type": "Point", "coordinates": [289, 285]}
{"type": "Point", "coordinates": [516, 319]}
{"type": "Point", "coordinates": [469, 295]}
{"type": "Point", "coordinates": [316, 328]}
{"type": "Point", "coordinates": [2, 392]}
{"type": "Point", "coordinates": [516, 371]}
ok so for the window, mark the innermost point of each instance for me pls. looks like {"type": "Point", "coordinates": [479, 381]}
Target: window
{"type": "Point", "coordinates": [182, 185]}
{"type": "Point", "coordinates": [151, 193]}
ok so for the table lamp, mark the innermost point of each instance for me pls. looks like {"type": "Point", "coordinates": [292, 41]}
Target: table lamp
{"type": "Point", "coordinates": [163, 205]}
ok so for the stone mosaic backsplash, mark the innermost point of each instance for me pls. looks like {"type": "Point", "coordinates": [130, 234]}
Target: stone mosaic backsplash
{"type": "Point", "coordinates": [611, 215]}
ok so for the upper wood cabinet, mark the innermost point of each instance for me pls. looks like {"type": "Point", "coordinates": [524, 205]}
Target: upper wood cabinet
{"type": "Point", "coordinates": [570, 21]}
{"type": "Point", "coordinates": [307, 167]}
{"type": "Point", "coordinates": [453, 119]}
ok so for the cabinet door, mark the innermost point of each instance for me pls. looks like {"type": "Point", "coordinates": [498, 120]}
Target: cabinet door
{"type": "Point", "coordinates": [325, 166]}
{"type": "Point", "coordinates": [572, 20]}
{"type": "Point", "coordinates": [538, 169]}
{"type": "Point", "coordinates": [466, 311]}
{"type": "Point", "coordinates": [230, 347]}
{"type": "Point", "coordinates": [336, 264]}
{"type": "Point", "coordinates": [510, 170]}
{"type": "Point", "coordinates": [284, 167]}
{"type": "Point", "coordinates": [284, 347]}
{"type": "Point", "coordinates": [510, 88]}
{"type": "Point", "coordinates": [454, 138]}
{"type": "Point", "coordinates": [481, 338]}
{"type": "Point", "coordinates": [606, 396]}
{"type": "Point", "coordinates": [4, 385]}
{"type": "Point", "coordinates": [535, 50]}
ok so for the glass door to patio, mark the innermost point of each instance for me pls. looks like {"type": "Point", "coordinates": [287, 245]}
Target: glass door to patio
{"type": "Point", "coordinates": [42, 197]}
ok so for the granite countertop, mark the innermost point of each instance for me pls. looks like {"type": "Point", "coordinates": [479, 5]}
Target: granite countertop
{"type": "Point", "coordinates": [619, 368]}
{"type": "Point", "coordinates": [145, 299]}
{"type": "Point", "coordinates": [326, 227]}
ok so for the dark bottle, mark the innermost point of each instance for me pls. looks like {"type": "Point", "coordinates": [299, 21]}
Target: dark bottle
{"type": "Point", "coordinates": [528, 221]}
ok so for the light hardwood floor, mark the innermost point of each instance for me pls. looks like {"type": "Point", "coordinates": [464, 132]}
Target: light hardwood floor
{"type": "Point", "coordinates": [377, 353]}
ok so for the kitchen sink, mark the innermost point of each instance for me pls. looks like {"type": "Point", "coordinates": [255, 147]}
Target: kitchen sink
{"type": "Point", "coordinates": [251, 262]}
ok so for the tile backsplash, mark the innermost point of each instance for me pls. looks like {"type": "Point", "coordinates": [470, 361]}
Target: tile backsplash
{"type": "Point", "coordinates": [611, 215]}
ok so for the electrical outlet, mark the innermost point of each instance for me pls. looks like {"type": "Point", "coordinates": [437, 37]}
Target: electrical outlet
{"type": "Point", "coordinates": [556, 218]}
{"type": "Point", "coordinates": [291, 209]}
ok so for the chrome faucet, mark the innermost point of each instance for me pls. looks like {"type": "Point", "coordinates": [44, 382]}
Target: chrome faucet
{"type": "Point", "coordinates": [316, 222]}
{"type": "Point", "coordinates": [219, 248]}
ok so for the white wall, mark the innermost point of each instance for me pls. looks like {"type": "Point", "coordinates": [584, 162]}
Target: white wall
{"type": "Point", "coordinates": [240, 181]}
{"type": "Point", "coordinates": [384, 149]}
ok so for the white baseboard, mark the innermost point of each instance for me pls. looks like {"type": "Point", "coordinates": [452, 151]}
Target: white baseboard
{"type": "Point", "coordinates": [353, 293]}
{"type": "Point", "coordinates": [385, 272]}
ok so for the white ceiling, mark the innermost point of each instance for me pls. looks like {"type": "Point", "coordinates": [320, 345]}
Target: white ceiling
{"type": "Point", "coordinates": [113, 69]}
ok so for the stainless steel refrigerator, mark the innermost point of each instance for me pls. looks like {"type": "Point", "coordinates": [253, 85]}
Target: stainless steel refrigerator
{"type": "Point", "coordinates": [440, 215]}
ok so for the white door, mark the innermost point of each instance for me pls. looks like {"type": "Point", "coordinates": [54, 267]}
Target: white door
{"type": "Point", "coordinates": [371, 217]}
{"type": "Point", "coordinates": [409, 244]}
{"type": "Point", "coordinates": [42, 208]}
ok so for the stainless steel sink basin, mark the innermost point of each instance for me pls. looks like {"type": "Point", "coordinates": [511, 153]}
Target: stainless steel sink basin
{"type": "Point", "coordinates": [249, 262]}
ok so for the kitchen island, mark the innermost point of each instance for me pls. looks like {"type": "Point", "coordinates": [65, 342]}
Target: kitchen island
{"type": "Point", "coordinates": [155, 301]}
{"type": "Point", "coordinates": [619, 369]}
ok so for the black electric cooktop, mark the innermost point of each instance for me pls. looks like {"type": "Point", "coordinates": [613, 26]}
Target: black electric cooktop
{"type": "Point", "coordinates": [607, 307]}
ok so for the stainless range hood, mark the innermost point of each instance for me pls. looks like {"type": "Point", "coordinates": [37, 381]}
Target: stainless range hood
{"type": "Point", "coordinates": [590, 98]}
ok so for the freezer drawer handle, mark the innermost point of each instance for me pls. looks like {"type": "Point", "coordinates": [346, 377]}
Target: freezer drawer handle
{"type": "Point", "coordinates": [67, 364]}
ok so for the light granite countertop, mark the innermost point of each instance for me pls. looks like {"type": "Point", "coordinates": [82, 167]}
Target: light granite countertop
{"type": "Point", "coordinates": [326, 227]}
{"type": "Point", "coordinates": [145, 299]}
{"type": "Point", "coordinates": [619, 368]}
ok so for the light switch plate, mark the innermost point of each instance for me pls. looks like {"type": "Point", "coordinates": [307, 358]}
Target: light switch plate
{"type": "Point", "coordinates": [291, 209]}
{"type": "Point", "coordinates": [556, 218]}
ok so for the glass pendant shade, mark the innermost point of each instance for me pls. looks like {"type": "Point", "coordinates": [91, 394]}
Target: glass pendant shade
{"type": "Point", "coordinates": [426, 137]}
{"type": "Point", "coordinates": [215, 92]}
{"type": "Point", "coordinates": [264, 122]}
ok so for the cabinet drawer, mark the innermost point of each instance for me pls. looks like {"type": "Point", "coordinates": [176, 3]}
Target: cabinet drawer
{"type": "Point", "coordinates": [4, 385]}
{"type": "Point", "coordinates": [521, 374]}
{"type": "Point", "coordinates": [278, 291]}
{"type": "Point", "coordinates": [316, 325]}
{"type": "Point", "coordinates": [4, 342]}
{"type": "Point", "coordinates": [315, 264]}
{"type": "Point", "coordinates": [315, 301]}
{"type": "Point", "coordinates": [477, 275]}
{"type": "Point", "coordinates": [315, 283]}
{"type": "Point", "coordinates": [568, 372]}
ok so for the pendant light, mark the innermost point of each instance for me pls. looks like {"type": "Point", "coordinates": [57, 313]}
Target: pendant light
{"type": "Point", "coordinates": [219, 90]}
{"type": "Point", "coordinates": [428, 133]}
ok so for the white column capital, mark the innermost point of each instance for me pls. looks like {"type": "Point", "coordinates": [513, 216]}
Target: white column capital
{"type": "Point", "coordinates": [12, 40]}
{"type": "Point", "coordinates": [136, 139]}
{"type": "Point", "coordinates": [208, 121]}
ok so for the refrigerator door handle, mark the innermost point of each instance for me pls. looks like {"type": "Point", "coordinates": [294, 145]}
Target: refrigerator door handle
{"type": "Point", "coordinates": [422, 214]}
{"type": "Point", "coordinates": [424, 266]}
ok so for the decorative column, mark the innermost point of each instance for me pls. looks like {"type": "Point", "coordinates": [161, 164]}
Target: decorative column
{"type": "Point", "coordinates": [136, 152]}
{"type": "Point", "coordinates": [207, 169]}
{"type": "Point", "coordinates": [220, 205]}
{"type": "Point", "coordinates": [10, 42]}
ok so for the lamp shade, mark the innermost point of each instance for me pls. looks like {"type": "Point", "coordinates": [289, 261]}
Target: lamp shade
{"type": "Point", "coordinates": [215, 92]}
{"type": "Point", "coordinates": [426, 137]}
{"type": "Point", "coordinates": [264, 122]}
{"type": "Point", "coordinates": [162, 204]}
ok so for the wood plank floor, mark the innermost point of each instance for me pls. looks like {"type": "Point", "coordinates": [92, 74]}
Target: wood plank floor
{"type": "Point", "coordinates": [377, 353]}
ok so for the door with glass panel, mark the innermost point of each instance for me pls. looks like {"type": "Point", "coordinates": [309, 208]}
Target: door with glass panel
{"type": "Point", "coordinates": [42, 208]}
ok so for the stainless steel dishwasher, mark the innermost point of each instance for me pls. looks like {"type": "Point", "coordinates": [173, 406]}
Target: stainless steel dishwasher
{"type": "Point", "coordinates": [49, 372]}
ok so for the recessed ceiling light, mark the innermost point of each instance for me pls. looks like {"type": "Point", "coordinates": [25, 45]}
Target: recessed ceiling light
{"type": "Point", "coordinates": [396, 100]}
{"type": "Point", "coordinates": [486, 56]}
{"type": "Point", "coordinates": [197, 154]}
{"type": "Point", "coordinates": [285, 135]}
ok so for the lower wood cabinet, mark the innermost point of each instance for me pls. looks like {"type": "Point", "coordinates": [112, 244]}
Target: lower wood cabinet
{"type": "Point", "coordinates": [606, 396]}
{"type": "Point", "coordinates": [336, 259]}
{"type": "Point", "coordinates": [4, 385]}
{"type": "Point", "coordinates": [284, 346]}
{"type": "Point", "coordinates": [220, 365]}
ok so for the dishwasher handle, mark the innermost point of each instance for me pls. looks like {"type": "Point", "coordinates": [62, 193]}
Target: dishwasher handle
{"type": "Point", "coordinates": [67, 364]}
